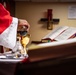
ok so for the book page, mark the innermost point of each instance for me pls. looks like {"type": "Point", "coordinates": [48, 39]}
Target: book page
{"type": "Point", "coordinates": [56, 32]}
{"type": "Point", "coordinates": [66, 34]}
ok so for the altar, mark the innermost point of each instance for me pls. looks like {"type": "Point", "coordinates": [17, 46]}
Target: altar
{"type": "Point", "coordinates": [45, 58]}
{"type": "Point", "coordinates": [56, 58]}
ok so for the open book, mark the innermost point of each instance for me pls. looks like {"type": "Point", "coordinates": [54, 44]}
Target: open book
{"type": "Point", "coordinates": [60, 33]}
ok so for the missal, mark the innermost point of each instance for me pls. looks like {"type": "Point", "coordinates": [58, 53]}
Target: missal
{"type": "Point", "coordinates": [60, 33]}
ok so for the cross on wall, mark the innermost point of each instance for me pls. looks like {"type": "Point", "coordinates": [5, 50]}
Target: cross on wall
{"type": "Point", "coordinates": [50, 21]}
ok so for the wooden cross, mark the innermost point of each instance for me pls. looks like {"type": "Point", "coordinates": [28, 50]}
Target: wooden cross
{"type": "Point", "coordinates": [50, 19]}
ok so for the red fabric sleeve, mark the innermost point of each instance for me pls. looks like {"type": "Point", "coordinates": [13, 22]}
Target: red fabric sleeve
{"type": "Point", "coordinates": [5, 18]}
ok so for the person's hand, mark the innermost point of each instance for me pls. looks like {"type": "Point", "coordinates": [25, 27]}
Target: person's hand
{"type": "Point", "coordinates": [22, 22]}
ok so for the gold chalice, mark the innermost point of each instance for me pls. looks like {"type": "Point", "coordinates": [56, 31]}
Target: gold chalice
{"type": "Point", "coordinates": [24, 41]}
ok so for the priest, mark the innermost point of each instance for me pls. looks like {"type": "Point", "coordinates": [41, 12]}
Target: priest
{"type": "Point", "coordinates": [8, 28]}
